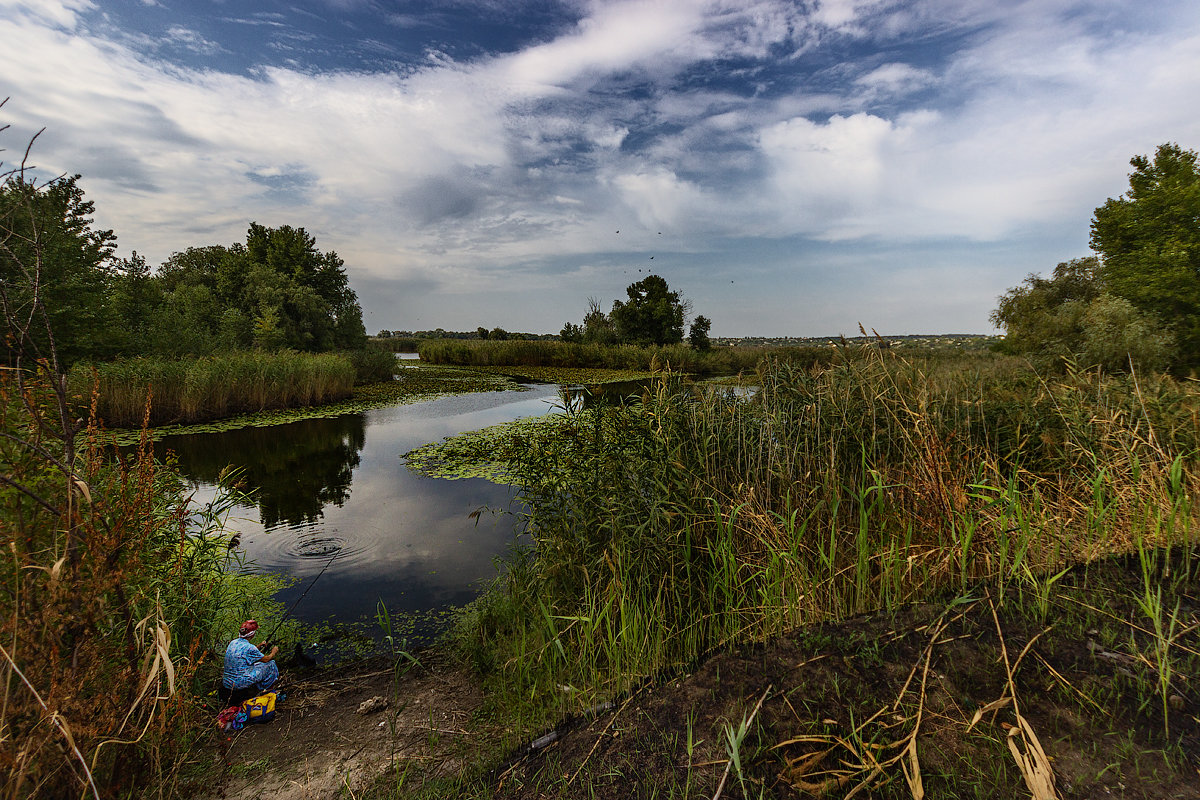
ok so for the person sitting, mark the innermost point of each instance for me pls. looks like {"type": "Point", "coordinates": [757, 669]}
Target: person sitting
{"type": "Point", "coordinates": [247, 670]}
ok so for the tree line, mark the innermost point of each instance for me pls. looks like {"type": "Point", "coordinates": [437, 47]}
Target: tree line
{"type": "Point", "coordinates": [1137, 301]}
{"type": "Point", "coordinates": [274, 291]}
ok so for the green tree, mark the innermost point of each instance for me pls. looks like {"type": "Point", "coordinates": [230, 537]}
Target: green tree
{"type": "Point", "coordinates": [49, 246]}
{"type": "Point", "coordinates": [698, 333]}
{"type": "Point", "coordinates": [598, 328]}
{"type": "Point", "coordinates": [1149, 240]}
{"type": "Point", "coordinates": [135, 298]}
{"type": "Point", "coordinates": [1043, 314]}
{"type": "Point", "coordinates": [1070, 315]}
{"type": "Point", "coordinates": [653, 314]}
{"type": "Point", "coordinates": [571, 332]}
{"type": "Point", "coordinates": [275, 291]}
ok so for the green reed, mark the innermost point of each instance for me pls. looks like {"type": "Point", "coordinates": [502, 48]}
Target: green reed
{"type": "Point", "coordinates": [211, 387]}
{"type": "Point", "coordinates": [690, 521]}
{"type": "Point", "coordinates": [680, 358]}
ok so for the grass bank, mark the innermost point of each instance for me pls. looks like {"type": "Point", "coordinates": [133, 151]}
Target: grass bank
{"type": "Point", "coordinates": [211, 387]}
{"type": "Point", "coordinates": [685, 524]}
{"type": "Point", "coordinates": [680, 358]}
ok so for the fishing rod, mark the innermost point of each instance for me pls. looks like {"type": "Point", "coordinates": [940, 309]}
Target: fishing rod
{"type": "Point", "coordinates": [288, 613]}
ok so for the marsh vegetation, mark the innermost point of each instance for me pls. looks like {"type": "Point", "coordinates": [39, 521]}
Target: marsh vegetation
{"type": "Point", "coordinates": [690, 523]}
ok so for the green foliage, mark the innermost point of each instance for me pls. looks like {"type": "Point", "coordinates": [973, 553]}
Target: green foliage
{"type": "Point", "coordinates": [1116, 334]}
{"type": "Point", "coordinates": [570, 333]}
{"type": "Point", "coordinates": [371, 365]}
{"type": "Point", "coordinates": [1071, 316]}
{"type": "Point", "coordinates": [275, 292]}
{"type": "Point", "coordinates": [1149, 240]}
{"type": "Point", "coordinates": [47, 240]}
{"type": "Point", "coordinates": [725, 361]}
{"type": "Point", "coordinates": [698, 334]}
{"type": "Point", "coordinates": [653, 314]}
{"type": "Point", "coordinates": [115, 589]}
{"type": "Point", "coordinates": [688, 521]}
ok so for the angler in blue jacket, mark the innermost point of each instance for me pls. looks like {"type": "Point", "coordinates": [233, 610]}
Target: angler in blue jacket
{"type": "Point", "coordinates": [246, 666]}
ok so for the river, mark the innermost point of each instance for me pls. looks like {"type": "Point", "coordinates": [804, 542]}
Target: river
{"type": "Point", "coordinates": [334, 495]}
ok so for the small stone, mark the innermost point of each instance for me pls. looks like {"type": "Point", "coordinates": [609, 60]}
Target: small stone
{"type": "Point", "coordinates": [376, 703]}
{"type": "Point", "coordinates": [1176, 702]}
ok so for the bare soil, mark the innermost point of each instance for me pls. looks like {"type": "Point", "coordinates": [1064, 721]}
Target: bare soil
{"type": "Point", "coordinates": [319, 745]}
{"type": "Point", "coordinates": [885, 705]}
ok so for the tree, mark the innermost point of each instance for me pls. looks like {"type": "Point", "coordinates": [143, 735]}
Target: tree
{"type": "Point", "coordinates": [571, 332]}
{"type": "Point", "coordinates": [698, 333]}
{"type": "Point", "coordinates": [134, 297]}
{"type": "Point", "coordinates": [1149, 241]}
{"type": "Point", "coordinates": [1070, 315]}
{"type": "Point", "coordinates": [598, 327]}
{"type": "Point", "coordinates": [48, 245]}
{"type": "Point", "coordinates": [275, 291]}
{"type": "Point", "coordinates": [1043, 314]}
{"type": "Point", "coordinates": [652, 315]}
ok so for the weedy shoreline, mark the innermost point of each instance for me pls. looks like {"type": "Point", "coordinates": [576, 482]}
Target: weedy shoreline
{"type": "Point", "coordinates": [687, 524]}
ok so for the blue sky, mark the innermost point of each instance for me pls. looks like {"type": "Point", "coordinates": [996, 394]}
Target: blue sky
{"type": "Point", "coordinates": [794, 168]}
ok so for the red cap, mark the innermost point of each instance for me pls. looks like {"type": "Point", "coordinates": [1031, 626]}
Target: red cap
{"type": "Point", "coordinates": [248, 628]}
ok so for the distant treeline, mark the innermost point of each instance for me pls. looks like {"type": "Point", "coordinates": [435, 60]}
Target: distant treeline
{"type": "Point", "coordinates": [723, 361]}
{"type": "Point", "coordinates": [496, 334]}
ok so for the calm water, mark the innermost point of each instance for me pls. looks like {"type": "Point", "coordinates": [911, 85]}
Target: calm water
{"type": "Point", "coordinates": [336, 491]}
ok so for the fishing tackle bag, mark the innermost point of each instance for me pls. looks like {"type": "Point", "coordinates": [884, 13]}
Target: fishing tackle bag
{"type": "Point", "coordinates": [260, 709]}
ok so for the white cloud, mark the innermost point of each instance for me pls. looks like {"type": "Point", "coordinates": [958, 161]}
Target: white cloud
{"type": "Point", "coordinates": [59, 13]}
{"type": "Point", "coordinates": [458, 173]}
{"type": "Point", "coordinates": [895, 78]}
{"type": "Point", "coordinates": [191, 40]}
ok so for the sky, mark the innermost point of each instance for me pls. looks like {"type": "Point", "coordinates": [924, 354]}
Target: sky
{"type": "Point", "coordinates": [791, 168]}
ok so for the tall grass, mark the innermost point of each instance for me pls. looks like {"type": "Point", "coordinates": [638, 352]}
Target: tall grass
{"type": "Point", "coordinates": [684, 523]}
{"type": "Point", "coordinates": [112, 586]}
{"type": "Point", "coordinates": [718, 361]}
{"type": "Point", "coordinates": [212, 387]}
{"type": "Point", "coordinates": [394, 344]}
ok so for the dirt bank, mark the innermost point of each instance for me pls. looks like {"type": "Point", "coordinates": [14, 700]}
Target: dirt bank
{"type": "Point", "coordinates": [319, 745]}
{"type": "Point", "coordinates": [987, 695]}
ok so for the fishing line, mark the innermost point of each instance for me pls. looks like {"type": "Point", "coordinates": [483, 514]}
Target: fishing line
{"type": "Point", "coordinates": [288, 613]}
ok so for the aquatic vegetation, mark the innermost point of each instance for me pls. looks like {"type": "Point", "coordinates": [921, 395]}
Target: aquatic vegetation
{"type": "Point", "coordinates": [210, 387]}
{"type": "Point", "coordinates": [117, 583]}
{"type": "Point", "coordinates": [679, 358]}
{"type": "Point", "coordinates": [492, 453]}
{"type": "Point", "coordinates": [685, 521]}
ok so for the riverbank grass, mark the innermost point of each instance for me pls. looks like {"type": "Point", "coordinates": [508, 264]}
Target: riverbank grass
{"type": "Point", "coordinates": [686, 524]}
{"type": "Point", "coordinates": [130, 391]}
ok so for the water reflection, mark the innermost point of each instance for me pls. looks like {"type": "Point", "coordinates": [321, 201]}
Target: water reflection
{"type": "Point", "coordinates": [336, 492]}
{"type": "Point", "coordinates": [292, 470]}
